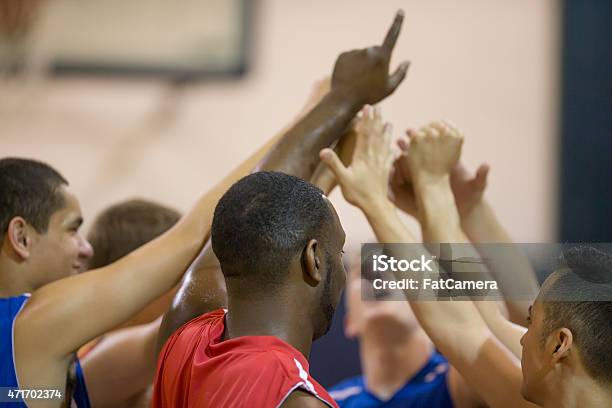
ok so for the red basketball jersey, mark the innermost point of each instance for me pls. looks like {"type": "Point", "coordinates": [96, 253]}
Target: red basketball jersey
{"type": "Point", "coordinates": [197, 369]}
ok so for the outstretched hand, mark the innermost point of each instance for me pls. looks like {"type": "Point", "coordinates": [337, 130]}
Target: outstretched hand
{"type": "Point", "coordinates": [366, 180]}
{"type": "Point", "coordinates": [468, 188]}
{"type": "Point", "coordinates": [364, 74]}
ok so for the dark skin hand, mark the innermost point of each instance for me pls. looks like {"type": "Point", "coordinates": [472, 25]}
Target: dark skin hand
{"type": "Point", "coordinates": [359, 77]}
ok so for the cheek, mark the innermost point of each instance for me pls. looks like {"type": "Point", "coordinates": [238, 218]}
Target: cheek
{"type": "Point", "coordinates": [71, 244]}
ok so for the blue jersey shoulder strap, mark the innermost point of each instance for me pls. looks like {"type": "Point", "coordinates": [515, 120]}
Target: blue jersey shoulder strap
{"type": "Point", "coordinates": [9, 309]}
{"type": "Point", "coordinates": [80, 397]}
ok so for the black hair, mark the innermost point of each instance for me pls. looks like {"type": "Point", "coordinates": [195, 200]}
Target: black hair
{"type": "Point", "coordinates": [29, 189]}
{"type": "Point", "coordinates": [262, 222]}
{"type": "Point", "coordinates": [578, 295]}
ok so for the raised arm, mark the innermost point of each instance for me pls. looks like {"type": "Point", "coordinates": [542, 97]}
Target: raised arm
{"type": "Point", "coordinates": [456, 328]}
{"type": "Point", "coordinates": [359, 77]}
{"type": "Point", "coordinates": [479, 222]}
{"type": "Point", "coordinates": [203, 286]}
{"type": "Point", "coordinates": [85, 306]}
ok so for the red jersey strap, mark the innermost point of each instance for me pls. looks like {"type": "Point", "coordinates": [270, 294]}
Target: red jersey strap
{"type": "Point", "coordinates": [311, 387]}
{"type": "Point", "coordinates": [198, 369]}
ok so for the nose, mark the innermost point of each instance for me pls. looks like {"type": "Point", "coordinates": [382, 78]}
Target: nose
{"type": "Point", "coordinates": [85, 249]}
{"type": "Point", "coordinates": [522, 341]}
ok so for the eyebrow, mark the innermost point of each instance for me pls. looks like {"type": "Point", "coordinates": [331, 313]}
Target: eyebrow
{"type": "Point", "coordinates": [77, 222]}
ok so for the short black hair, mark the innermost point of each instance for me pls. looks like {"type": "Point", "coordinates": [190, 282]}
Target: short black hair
{"type": "Point", "coordinates": [579, 297]}
{"type": "Point", "coordinates": [125, 226]}
{"type": "Point", "coordinates": [262, 222]}
{"type": "Point", "coordinates": [29, 189]}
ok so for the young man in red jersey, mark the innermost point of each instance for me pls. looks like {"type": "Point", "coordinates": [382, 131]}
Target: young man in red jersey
{"type": "Point", "coordinates": [279, 245]}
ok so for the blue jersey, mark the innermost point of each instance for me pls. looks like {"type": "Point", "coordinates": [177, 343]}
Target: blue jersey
{"type": "Point", "coordinates": [9, 309]}
{"type": "Point", "coordinates": [427, 389]}
{"type": "Point", "coordinates": [80, 396]}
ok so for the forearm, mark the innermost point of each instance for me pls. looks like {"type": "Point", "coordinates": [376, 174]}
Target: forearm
{"type": "Point", "coordinates": [124, 361]}
{"type": "Point", "coordinates": [507, 332]}
{"type": "Point", "coordinates": [457, 329]}
{"type": "Point", "coordinates": [511, 267]}
{"type": "Point", "coordinates": [203, 286]}
{"type": "Point", "coordinates": [438, 213]}
{"type": "Point", "coordinates": [473, 348]}
{"type": "Point", "coordinates": [438, 317]}
{"type": "Point", "coordinates": [298, 151]}
{"type": "Point", "coordinates": [130, 283]}
{"type": "Point", "coordinates": [482, 226]}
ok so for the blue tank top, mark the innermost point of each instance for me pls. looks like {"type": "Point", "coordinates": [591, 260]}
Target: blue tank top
{"type": "Point", "coordinates": [427, 389]}
{"type": "Point", "coordinates": [9, 309]}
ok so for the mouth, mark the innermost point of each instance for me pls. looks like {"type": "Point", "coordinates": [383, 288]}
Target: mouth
{"type": "Point", "coordinates": [78, 267]}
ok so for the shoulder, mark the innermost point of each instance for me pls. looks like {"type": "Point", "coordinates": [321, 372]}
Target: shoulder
{"type": "Point", "coordinates": [205, 320]}
{"type": "Point", "coordinates": [195, 331]}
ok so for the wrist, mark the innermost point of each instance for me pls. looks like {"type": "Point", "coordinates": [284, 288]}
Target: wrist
{"type": "Point", "coordinates": [476, 211]}
{"type": "Point", "coordinates": [436, 203]}
{"type": "Point", "coordinates": [423, 180]}
{"type": "Point", "coordinates": [373, 207]}
{"type": "Point", "coordinates": [347, 96]}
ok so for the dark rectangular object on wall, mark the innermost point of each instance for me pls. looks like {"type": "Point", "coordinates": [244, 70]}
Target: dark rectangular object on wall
{"type": "Point", "coordinates": [586, 122]}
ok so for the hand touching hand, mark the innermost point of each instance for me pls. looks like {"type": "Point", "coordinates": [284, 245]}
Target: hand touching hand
{"type": "Point", "coordinates": [467, 188]}
{"type": "Point", "coordinates": [434, 151]}
{"type": "Point", "coordinates": [363, 75]}
{"type": "Point", "coordinates": [366, 180]}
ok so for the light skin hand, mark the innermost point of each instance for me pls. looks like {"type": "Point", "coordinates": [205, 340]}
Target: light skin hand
{"type": "Point", "coordinates": [366, 179]}
{"type": "Point", "coordinates": [434, 151]}
{"type": "Point", "coordinates": [477, 219]}
{"type": "Point", "coordinates": [468, 188]}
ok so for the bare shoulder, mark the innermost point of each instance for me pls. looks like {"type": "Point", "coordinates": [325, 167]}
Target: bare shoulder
{"type": "Point", "coordinates": [303, 399]}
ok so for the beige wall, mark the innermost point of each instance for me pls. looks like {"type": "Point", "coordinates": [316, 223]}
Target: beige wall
{"type": "Point", "coordinates": [489, 66]}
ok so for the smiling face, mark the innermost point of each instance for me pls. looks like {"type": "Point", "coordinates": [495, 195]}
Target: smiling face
{"type": "Point", "coordinates": [61, 250]}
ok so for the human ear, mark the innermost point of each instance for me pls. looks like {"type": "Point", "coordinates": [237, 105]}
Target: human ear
{"type": "Point", "coordinates": [311, 265]}
{"type": "Point", "coordinates": [18, 235]}
{"type": "Point", "coordinates": [560, 344]}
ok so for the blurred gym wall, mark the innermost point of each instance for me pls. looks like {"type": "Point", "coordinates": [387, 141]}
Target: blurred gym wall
{"type": "Point", "coordinates": [489, 66]}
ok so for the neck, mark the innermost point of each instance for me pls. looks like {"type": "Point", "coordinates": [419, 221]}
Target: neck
{"type": "Point", "coordinates": [12, 279]}
{"type": "Point", "coordinates": [579, 391]}
{"type": "Point", "coordinates": [388, 363]}
{"type": "Point", "coordinates": [270, 315]}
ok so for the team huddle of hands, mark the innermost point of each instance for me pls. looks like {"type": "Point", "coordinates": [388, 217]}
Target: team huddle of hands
{"type": "Point", "coordinates": [426, 157]}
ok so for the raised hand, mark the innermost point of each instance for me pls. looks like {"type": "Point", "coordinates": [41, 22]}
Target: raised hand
{"type": "Point", "coordinates": [366, 180]}
{"type": "Point", "coordinates": [363, 75]}
{"type": "Point", "coordinates": [434, 150]}
{"type": "Point", "coordinates": [468, 187]}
